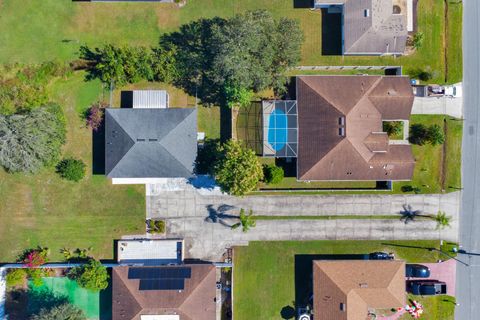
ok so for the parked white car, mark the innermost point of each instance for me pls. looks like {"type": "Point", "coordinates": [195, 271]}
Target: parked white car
{"type": "Point", "coordinates": [454, 91]}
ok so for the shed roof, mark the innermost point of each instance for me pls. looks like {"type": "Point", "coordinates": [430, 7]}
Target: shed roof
{"type": "Point", "coordinates": [150, 143]}
{"type": "Point", "coordinates": [358, 285]}
{"type": "Point", "coordinates": [363, 152]}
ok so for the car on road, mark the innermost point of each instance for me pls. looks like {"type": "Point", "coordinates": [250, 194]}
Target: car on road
{"type": "Point", "coordinates": [416, 271]}
{"type": "Point", "coordinates": [427, 287]}
{"type": "Point", "coordinates": [381, 256]}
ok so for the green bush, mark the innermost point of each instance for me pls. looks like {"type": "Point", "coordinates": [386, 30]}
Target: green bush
{"type": "Point", "coordinates": [71, 169]}
{"type": "Point", "coordinates": [16, 277]}
{"type": "Point", "coordinates": [421, 134]}
{"type": "Point", "coordinates": [156, 226]}
{"type": "Point", "coordinates": [92, 275]}
{"type": "Point", "coordinates": [237, 169]}
{"type": "Point", "coordinates": [393, 128]}
{"type": "Point", "coordinates": [237, 96]}
{"type": "Point", "coordinates": [273, 174]}
{"type": "Point", "coordinates": [435, 135]}
{"type": "Point", "coordinates": [417, 40]}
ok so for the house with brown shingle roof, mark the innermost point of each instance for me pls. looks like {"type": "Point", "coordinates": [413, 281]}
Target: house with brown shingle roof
{"type": "Point", "coordinates": [350, 289]}
{"type": "Point", "coordinates": [340, 128]}
{"type": "Point", "coordinates": [183, 292]}
{"type": "Point", "coordinates": [333, 131]}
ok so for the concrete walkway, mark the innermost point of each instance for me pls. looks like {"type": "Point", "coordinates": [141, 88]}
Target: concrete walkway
{"type": "Point", "coordinates": [186, 212]}
{"type": "Point", "coordinates": [438, 105]}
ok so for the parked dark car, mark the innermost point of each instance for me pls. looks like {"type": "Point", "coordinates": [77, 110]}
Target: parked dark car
{"type": "Point", "coordinates": [416, 271]}
{"type": "Point", "coordinates": [427, 287]}
{"type": "Point", "coordinates": [381, 256]}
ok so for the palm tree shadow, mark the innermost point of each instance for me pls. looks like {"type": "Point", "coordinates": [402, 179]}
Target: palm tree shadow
{"type": "Point", "coordinates": [409, 215]}
{"type": "Point", "coordinates": [219, 215]}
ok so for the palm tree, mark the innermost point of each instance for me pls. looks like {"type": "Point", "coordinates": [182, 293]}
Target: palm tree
{"type": "Point", "coordinates": [67, 253]}
{"type": "Point", "coordinates": [408, 214]}
{"type": "Point", "coordinates": [246, 221]}
{"type": "Point", "coordinates": [442, 219]}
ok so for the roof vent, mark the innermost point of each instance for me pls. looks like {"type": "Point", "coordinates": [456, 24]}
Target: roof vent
{"type": "Point", "coordinates": [342, 306]}
{"type": "Point", "coordinates": [363, 285]}
{"type": "Point", "coordinates": [366, 13]}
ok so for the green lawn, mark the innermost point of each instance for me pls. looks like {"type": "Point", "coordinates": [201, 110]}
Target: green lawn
{"type": "Point", "coordinates": [454, 48]}
{"type": "Point", "coordinates": [264, 272]}
{"type": "Point", "coordinates": [437, 307]}
{"type": "Point", "coordinates": [53, 29]}
{"type": "Point", "coordinates": [428, 168]}
{"type": "Point", "coordinates": [292, 183]}
{"type": "Point", "coordinates": [43, 209]}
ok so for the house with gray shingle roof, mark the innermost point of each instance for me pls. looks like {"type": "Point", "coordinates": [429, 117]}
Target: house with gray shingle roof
{"type": "Point", "coordinates": [144, 144]}
{"type": "Point", "coordinates": [372, 27]}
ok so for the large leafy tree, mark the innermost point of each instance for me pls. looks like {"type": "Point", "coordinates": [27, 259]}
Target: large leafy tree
{"type": "Point", "coordinates": [253, 50]}
{"type": "Point", "coordinates": [250, 51]}
{"type": "Point", "coordinates": [64, 311]}
{"type": "Point", "coordinates": [92, 275]}
{"type": "Point", "coordinates": [237, 169]}
{"type": "Point", "coordinates": [120, 65]}
{"type": "Point", "coordinates": [32, 140]}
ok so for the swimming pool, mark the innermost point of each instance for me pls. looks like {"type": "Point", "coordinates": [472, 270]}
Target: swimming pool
{"type": "Point", "coordinates": [277, 129]}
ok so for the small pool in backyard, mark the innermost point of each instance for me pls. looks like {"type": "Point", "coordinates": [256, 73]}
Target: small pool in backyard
{"type": "Point", "coordinates": [280, 131]}
{"type": "Point", "coordinates": [277, 129]}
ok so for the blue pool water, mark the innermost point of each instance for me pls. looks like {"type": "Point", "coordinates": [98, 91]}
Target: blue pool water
{"type": "Point", "coordinates": [277, 130]}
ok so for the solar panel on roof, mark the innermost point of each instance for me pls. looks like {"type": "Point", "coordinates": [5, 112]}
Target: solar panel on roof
{"type": "Point", "coordinates": [162, 284]}
{"type": "Point", "coordinates": [159, 273]}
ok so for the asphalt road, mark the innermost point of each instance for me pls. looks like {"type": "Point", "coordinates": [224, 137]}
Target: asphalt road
{"type": "Point", "coordinates": [468, 277]}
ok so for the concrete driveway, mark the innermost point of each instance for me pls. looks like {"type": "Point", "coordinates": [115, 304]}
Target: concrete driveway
{"type": "Point", "coordinates": [186, 210]}
{"type": "Point", "coordinates": [444, 271]}
{"type": "Point", "coordinates": [438, 105]}
{"type": "Point", "coordinates": [191, 202]}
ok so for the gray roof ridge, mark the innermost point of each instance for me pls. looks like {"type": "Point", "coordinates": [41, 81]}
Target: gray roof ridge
{"type": "Point", "coordinates": [172, 132]}
{"type": "Point", "coordinates": [360, 38]}
{"type": "Point", "coordinates": [130, 140]}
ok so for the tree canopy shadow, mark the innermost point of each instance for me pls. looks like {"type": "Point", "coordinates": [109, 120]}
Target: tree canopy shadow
{"type": "Point", "coordinates": [287, 312]}
{"type": "Point", "coordinates": [194, 58]}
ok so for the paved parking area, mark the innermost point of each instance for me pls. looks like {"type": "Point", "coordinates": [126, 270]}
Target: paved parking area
{"type": "Point", "coordinates": [444, 271]}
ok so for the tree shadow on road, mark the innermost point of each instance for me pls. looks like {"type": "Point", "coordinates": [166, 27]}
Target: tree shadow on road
{"type": "Point", "coordinates": [220, 215]}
